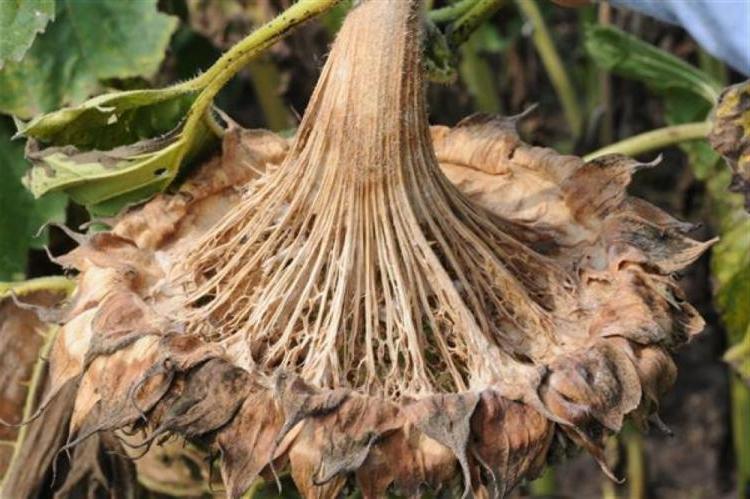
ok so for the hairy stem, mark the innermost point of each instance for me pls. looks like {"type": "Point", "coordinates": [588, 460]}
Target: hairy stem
{"type": "Point", "coordinates": [554, 65]}
{"type": "Point", "coordinates": [655, 139]}
{"type": "Point", "coordinates": [462, 29]}
{"type": "Point", "coordinates": [50, 283]}
{"type": "Point", "coordinates": [451, 12]}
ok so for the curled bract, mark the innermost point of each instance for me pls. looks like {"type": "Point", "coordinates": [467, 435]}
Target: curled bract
{"type": "Point", "coordinates": [376, 302]}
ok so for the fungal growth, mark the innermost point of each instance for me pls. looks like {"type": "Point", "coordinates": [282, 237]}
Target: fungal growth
{"type": "Point", "coordinates": [377, 303]}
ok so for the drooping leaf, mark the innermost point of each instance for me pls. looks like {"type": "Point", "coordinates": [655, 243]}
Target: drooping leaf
{"type": "Point", "coordinates": [87, 43]}
{"type": "Point", "coordinates": [112, 146]}
{"type": "Point", "coordinates": [20, 23]}
{"type": "Point", "coordinates": [21, 215]}
{"type": "Point", "coordinates": [113, 119]}
{"type": "Point", "coordinates": [93, 177]}
{"type": "Point", "coordinates": [627, 56]}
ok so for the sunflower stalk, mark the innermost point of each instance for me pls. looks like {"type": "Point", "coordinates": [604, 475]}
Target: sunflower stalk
{"type": "Point", "coordinates": [545, 46]}
{"type": "Point", "coordinates": [654, 139]}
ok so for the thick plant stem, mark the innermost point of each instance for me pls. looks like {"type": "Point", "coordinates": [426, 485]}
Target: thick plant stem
{"type": "Point", "coordinates": [655, 139]}
{"type": "Point", "coordinates": [612, 456]}
{"type": "Point", "coordinates": [554, 65]}
{"type": "Point", "coordinates": [741, 434]}
{"type": "Point", "coordinates": [606, 131]}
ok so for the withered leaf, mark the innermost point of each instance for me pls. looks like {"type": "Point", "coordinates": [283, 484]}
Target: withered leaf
{"type": "Point", "coordinates": [730, 135]}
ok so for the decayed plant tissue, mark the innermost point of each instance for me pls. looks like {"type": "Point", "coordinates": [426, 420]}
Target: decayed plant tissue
{"type": "Point", "coordinates": [377, 302]}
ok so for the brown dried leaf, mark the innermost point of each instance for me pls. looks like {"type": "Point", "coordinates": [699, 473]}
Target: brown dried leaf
{"type": "Point", "coordinates": [408, 461]}
{"type": "Point", "coordinates": [212, 394]}
{"type": "Point", "coordinates": [248, 441]}
{"type": "Point", "coordinates": [100, 466]}
{"type": "Point", "coordinates": [22, 335]}
{"type": "Point", "coordinates": [44, 438]}
{"type": "Point", "coordinates": [514, 443]}
{"type": "Point", "coordinates": [447, 419]}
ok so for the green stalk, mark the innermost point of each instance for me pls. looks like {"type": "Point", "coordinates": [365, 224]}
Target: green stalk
{"type": "Point", "coordinates": [553, 65]}
{"type": "Point", "coordinates": [56, 283]}
{"type": "Point", "coordinates": [606, 131]}
{"type": "Point", "coordinates": [462, 29]}
{"type": "Point", "coordinates": [612, 456]}
{"type": "Point", "coordinates": [266, 80]}
{"type": "Point", "coordinates": [479, 78]}
{"type": "Point", "coordinates": [636, 470]}
{"type": "Point", "coordinates": [655, 139]}
{"type": "Point", "coordinates": [741, 434]}
{"type": "Point", "coordinates": [546, 484]}
{"type": "Point", "coordinates": [450, 12]}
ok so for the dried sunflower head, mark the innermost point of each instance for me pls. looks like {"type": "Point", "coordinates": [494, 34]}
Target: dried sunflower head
{"type": "Point", "coordinates": [378, 302]}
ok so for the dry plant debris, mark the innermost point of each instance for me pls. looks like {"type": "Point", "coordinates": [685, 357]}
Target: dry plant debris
{"type": "Point", "coordinates": [378, 302]}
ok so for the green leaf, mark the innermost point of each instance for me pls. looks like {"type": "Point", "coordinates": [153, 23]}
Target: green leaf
{"type": "Point", "coordinates": [93, 177]}
{"type": "Point", "coordinates": [115, 148]}
{"type": "Point", "coordinates": [20, 22]}
{"type": "Point", "coordinates": [113, 119]}
{"type": "Point", "coordinates": [738, 357]}
{"type": "Point", "coordinates": [730, 263]}
{"type": "Point", "coordinates": [87, 43]}
{"type": "Point", "coordinates": [20, 215]}
{"type": "Point", "coordinates": [627, 56]}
